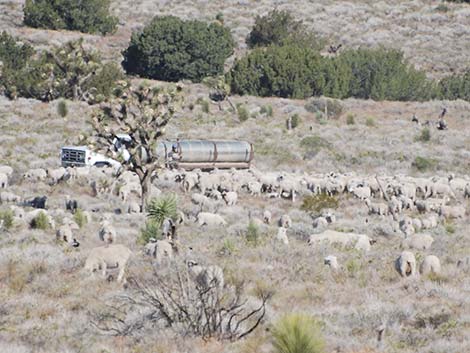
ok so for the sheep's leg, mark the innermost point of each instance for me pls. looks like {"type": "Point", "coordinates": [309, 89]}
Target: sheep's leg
{"type": "Point", "coordinates": [103, 268]}
{"type": "Point", "coordinates": [121, 273]}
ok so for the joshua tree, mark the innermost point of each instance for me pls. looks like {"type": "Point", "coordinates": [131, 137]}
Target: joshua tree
{"type": "Point", "coordinates": [142, 113]}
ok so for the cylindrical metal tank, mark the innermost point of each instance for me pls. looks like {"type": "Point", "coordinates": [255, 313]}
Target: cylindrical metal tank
{"type": "Point", "coordinates": [233, 151]}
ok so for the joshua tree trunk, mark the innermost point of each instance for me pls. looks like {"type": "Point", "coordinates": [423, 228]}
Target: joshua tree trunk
{"type": "Point", "coordinates": [145, 185]}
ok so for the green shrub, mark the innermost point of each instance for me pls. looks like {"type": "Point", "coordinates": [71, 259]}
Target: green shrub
{"type": "Point", "coordinates": [449, 227]}
{"type": "Point", "coordinates": [252, 234]}
{"type": "Point", "coordinates": [62, 108]}
{"type": "Point", "coordinates": [424, 136]}
{"type": "Point", "coordinates": [316, 203]}
{"type": "Point", "coordinates": [442, 8]}
{"type": "Point", "coordinates": [423, 164]}
{"type": "Point", "coordinates": [80, 218]}
{"type": "Point", "coordinates": [279, 27]}
{"type": "Point", "coordinates": [350, 119]}
{"type": "Point", "coordinates": [242, 112]}
{"type": "Point", "coordinates": [89, 16]}
{"type": "Point", "coordinates": [6, 216]}
{"type": "Point", "coordinates": [333, 107]}
{"type": "Point", "coordinates": [13, 54]}
{"type": "Point", "coordinates": [295, 120]}
{"type": "Point", "coordinates": [297, 333]}
{"type": "Point", "coordinates": [205, 106]}
{"type": "Point", "coordinates": [40, 221]}
{"type": "Point", "coordinates": [163, 207]}
{"type": "Point", "coordinates": [455, 87]}
{"type": "Point", "coordinates": [370, 122]}
{"type": "Point", "coordinates": [314, 143]}
{"type": "Point", "coordinates": [171, 49]}
{"type": "Point", "coordinates": [150, 230]}
{"type": "Point", "coordinates": [267, 109]}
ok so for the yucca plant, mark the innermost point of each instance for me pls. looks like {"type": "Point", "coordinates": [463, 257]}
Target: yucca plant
{"type": "Point", "coordinates": [150, 230]}
{"type": "Point", "coordinates": [297, 333]}
{"type": "Point", "coordinates": [162, 207]}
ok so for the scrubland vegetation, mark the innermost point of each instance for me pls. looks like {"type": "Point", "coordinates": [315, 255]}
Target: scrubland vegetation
{"type": "Point", "coordinates": [325, 91]}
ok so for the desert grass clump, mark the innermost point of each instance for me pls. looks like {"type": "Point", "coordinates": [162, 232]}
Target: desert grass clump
{"type": "Point", "coordinates": [252, 234]}
{"type": "Point", "coordinates": [80, 218]}
{"type": "Point", "coordinates": [350, 119]}
{"type": "Point", "coordinates": [205, 106]}
{"type": "Point", "coordinates": [267, 110]}
{"type": "Point", "coordinates": [6, 219]}
{"type": "Point", "coordinates": [242, 112]}
{"type": "Point", "coordinates": [62, 108]}
{"type": "Point", "coordinates": [370, 122]}
{"type": "Point", "coordinates": [149, 231]}
{"type": "Point", "coordinates": [330, 108]}
{"type": "Point", "coordinates": [161, 208]}
{"type": "Point", "coordinates": [424, 136]}
{"type": "Point", "coordinates": [40, 221]}
{"type": "Point", "coordinates": [423, 164]}
{"type": "Point", "coordinates": [297, 333]}
{"type": "Point", "coordinates": [316, 203]}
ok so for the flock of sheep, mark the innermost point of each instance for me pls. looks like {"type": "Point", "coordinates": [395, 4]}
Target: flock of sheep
{"type": "Point", "coordinates": [395, 199]}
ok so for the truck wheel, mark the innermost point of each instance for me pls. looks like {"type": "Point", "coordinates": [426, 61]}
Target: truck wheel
{"type": "Point", "coordinates": [101, 164]}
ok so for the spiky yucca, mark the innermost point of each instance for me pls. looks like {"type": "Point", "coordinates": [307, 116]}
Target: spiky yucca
{"type": "Point", "coordinates": [297, 333]}
{"type": "Point", "coordinates": [163, 207]}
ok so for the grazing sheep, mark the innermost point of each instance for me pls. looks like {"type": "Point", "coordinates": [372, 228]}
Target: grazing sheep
{"type": "Point", "coordinates": [6, 197]}
{"type": "Point", "coordinates": [133, 207]}
{"type": "Point", "coordinates": [430, 264]}
{"type": "Point", "coordinates": [107, 233]}
{"type": "Point", "coordinates": [452, 211]}
{"type": "Point", "coordinates": [379, 208]}
{"type": "Point", "coordinates": [207, 277]}
{"type": "Point", "coordinates": [161, 250]}
{"type": "Point", "coordinates": [418, 241]}
{"type": "Point", "coordinates": [332, 262]}
{"type": "Point", "coordinates": [126, 190]}
{"type": "Point", "coordinates": [359, 241]}
{"type": "Point", "coordinates": [406, 264]}
{"type": "Point", "coordinates": [210, 219]}
{"type": "Point", "coordinates": [230, 198]}
{"type": "Point", "coordinates": [5, 169]}
{"type": "Point", "coordinates": [199, 199]}
{"type": "Point", "coordinates": [108, 257]}
{"type": "Point", "coordinates": [3, 181]}
{"type": "Point", "coordinates": [190, 181]}
{"type": "Point", "coordinates": [361, 192]}
{"type": "Point", "coordinates": [65, 233]}
{"type": "Point", "coordinates": [320, 222]}
{"type": "Point", "coordinates": [35, 175]}
{"type": "Point", "coordinates": [71, 204]}
{"type": "Point", "coordinates": [215, 194]}
{"type": "Point", "coordinates": [168, 229]}
{"type": "Point", "coordinates": [285, 221]}
{"type": "Point", "coordinates": [254, 188]}
{"type": "Point", "coordinates": [37, 202]}
{"type": "Point", "coordinates": [56, 175]}
{"type": "Point", "coordinates": [281, 236]}
{"type": "Point", "coordinates": [394, 205]}
{"type": "Point", "coordinates": [267, 216]}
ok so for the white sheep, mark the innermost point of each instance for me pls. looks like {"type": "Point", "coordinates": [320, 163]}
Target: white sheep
{"type": "Point", "coordinates": [430, 264]}
{"type": "Point", "coordinates": [210, 219]}
{"type": "Point", "coordinates": [207, 276]}
{"type": "Point", "coordinates": [281, 236]}
{"type": "Point", "coordinates": [429, 222]}
{"type": "Point", "coordinates": [358, 241]}
{"type": "Point", "coordinates": [161, 250]}
{"type": "Point", "coordinates": [230, 198]}
{"type": "Point", "coordinates": [452, 211]}
{"type": "Point", "coordinates": [378, 208]}
{"type": "Point", "coordinates": [3, 181]}
{"type": "Point", "coordinates": [199, 199]}
{"type": "Point", "coordinates": [133, 207]}
{"type": "Point", "coordinates": [6, 197]}
{"type": "Point", "coordinates": [215, 194]}
{"type": "Point", "coordinates": [406, 264]}
{"type": "Point", "coordinates": [332, 262]}
{"type": "Point", "coordinates": [320, 222]}
{"type": "Point", "coordinates": [361, 192]}
{"type": "Point", "coordinates": [285, 221]}
{"type": "Point", "coordinates": [254, 187]}
{"type": "Point", "coordinates": [394, 205]}
{"type": "Point", "coordinates": [56, 175]}
{"type": "Point", "coordinates": [108, 257]}
{"type": "Point", "coordinates": [267, 216]}
{"type": "Point", "coordinates": [418, 241]}
{"type": "Point", "coordinates": [38, 174]}
{"type": "Point", "coordinates": [65, 233]}
{"type": "Point", "coordinates": [107, 233]}
{"type": "Point", "coordinates": [5, 169]}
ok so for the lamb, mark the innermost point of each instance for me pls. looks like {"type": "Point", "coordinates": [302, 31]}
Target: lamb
{"type": "Point", "coordinates": [7, 170]}
{"type": "Point", "coordinates": [35, 175]}
{"type": "Point", "coordinates": [230, 198]}
{"type": "Point", "coordinates": [107, 233]}
{"type": "Point", "coordinates": [418, 241]}
{"type": "Point", "coordinates": [210, 219]}
{"type": "Point", "coordinates": [6, 197]}
{"type": "Point", "coordinates": [161, 250]}
{"type": "Point", "coordinates": [332, 262]}
{"type": "Point", "coordinates": [267, 216]}
{"type": "Point", "coordinates": [406, 264]}
{"type": "Point", "coordinates": [106, 257]}
{"type": "Point", "coordinates": [3, 181]}
{"type": "Point", "coordinates": [430, 264]}
{"type": "Point", "coordinates": [285, 221]}
{"type": "Point", "coordinates": [133, 207]}
{"type": "Point", "coordinates": [207, 277]}
{"type": "Point", "coordinates": [452, 211]}
{"type": "Point", "coordinates": [168, 229]}
{"type": "Point", "coordinates": [254, 188]}
{"type": "Point", "coordinates": [56, 175]}
{"type": "Point", "coordinates": [281, 236]}
{"type": "Point", "coordinates": [320, 222]}
{"type": "Point", "coordinates": [65, 233]}
{"type": "Point", "coordinates": [359, 241]}
{"type": "Point", "coordinates": [379, 208]}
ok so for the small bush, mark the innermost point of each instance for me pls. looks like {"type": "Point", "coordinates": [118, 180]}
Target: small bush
{"type": "Point", "coordinates": [40, 222]}
{"type": "Point", "coordinates": [88, 16]}
{"type": "Point", "coordinates": [242, 112]}
{"type": "Point", "coordinates": [205, 106]}
{"type": "Point", "coordinates": [442, 8]}
{"type": "Point", "coordinates": [295, 120]}
{"type": "Point", "coordinates": [370, 122]}
{"type": "Point", "coordinates": [455, 87]}
{"type": "Point", "coordinates": [171, 49]}
{"type": "Point", "coordinates": [350, 119]}
{"type": "Point", "coordinates": [6, 217]}
{"type": "Point", "coordinates": [423, 164]}
{"type": "Point", "coordinates": [449, 227]}
{"type": "Point", "coordinates": [424, 136]}
{"type": "Point", "coordinates": [332, 107]}
{"type": "Point", "coordinates": [62, 108]}
{"type": "Point", "coordinates": [80, 218]}
{"type": "Point", "coordinates": [313, 144]}
{"type": "Point", "coordinates": [297, 333]}
{"type": "Point", "coordinates": [267, 109]}
{"type": "Point", "coordinates": [163, 207]}
{"type": "Point", "coordinates": [319, 202]}
{"type": "Point", "coordinates": [150, 230]}
{"type": "Point", "coordinates": [252, 234]}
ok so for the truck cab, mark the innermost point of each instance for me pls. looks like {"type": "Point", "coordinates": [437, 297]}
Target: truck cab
{"type": "Point", "coordinates": [81, 156]}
